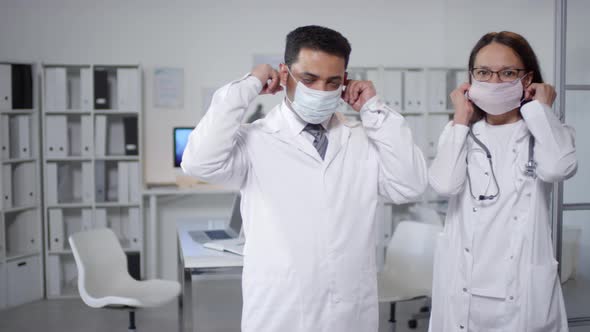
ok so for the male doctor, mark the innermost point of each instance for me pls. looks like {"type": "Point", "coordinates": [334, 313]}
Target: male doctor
{"type": "Point", "coordinates": [309, 181]}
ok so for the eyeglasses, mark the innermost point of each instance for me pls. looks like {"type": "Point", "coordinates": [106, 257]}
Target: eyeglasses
{"type": "Point", "coordinates": [505, 75]}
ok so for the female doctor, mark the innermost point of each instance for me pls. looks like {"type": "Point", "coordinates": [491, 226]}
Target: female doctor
{"type": "Point", "coordinates": [494, 268]}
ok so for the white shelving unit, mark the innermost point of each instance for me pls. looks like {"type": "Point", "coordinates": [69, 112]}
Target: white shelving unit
{"type": "Point", "coordinates": [421, 95]}
{"type": "Point", "coordinates": [21, 259]}
{"type": "Point", "coordinates": [92, 145]}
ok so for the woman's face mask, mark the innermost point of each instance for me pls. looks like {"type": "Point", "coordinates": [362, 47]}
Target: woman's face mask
{"type": "Point", "coordinates": [496, 98]}
{"type": "Point", "coordinates": [314, 106]}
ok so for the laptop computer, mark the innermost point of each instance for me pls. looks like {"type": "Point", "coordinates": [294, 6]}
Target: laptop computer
{"type": "Point", "coordinates": [231, 232]}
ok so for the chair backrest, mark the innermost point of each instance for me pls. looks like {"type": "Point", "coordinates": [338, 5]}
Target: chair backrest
{"type": "Point", "coordinates": [410, 253]}
{"type": "Point", "coordinates": [100, 261]}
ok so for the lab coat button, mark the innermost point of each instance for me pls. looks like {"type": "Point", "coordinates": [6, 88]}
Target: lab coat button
{"type": "Point", "coordinates": [465, 289]}
{"type": "Point", "coordinates": [474, 209]}
{"type": "Point", "coordinates": [514, 150]}
{"type": "Point", "coordinates": [511, 298]}
{"type": "Point", "coordinates": [466, 249]}
{"type": "Point", "coordinates": [461, 327]}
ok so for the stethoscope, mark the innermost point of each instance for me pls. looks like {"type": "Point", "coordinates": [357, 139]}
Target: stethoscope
{"type": "Point", "coordinates": [530, 167]}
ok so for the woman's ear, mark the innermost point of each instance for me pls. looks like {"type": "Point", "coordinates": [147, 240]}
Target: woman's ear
{"type": "Point", "coordinates": [528, 79]}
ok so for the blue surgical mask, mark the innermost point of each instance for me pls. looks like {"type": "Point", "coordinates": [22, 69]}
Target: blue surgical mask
{"type": "Point", "coordinates": [314, 106]}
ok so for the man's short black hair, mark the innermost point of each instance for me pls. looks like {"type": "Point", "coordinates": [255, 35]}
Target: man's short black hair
{"type": "Point", "coordinates": [316, 38]}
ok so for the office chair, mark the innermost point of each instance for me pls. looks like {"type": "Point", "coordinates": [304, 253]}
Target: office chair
{"type": "Point", "coordinates": [407, 273]}
{"type": "Point", "coordinates": [103, 278]}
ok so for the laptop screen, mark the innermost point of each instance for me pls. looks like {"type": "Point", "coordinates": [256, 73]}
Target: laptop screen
{"type": "Point", "coordinates": [235, 221]}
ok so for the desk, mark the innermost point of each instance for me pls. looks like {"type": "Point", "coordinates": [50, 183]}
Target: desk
{"type": "Point", "coordinates": [194, 262]}
{"type": "Point", "coordinates": [153, 195]}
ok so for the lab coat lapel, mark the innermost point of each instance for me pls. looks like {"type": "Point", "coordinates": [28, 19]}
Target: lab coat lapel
{"type": "Point", "coordinates": [276, 124]}
{"type": "Point", "coordinates": [337, 139]}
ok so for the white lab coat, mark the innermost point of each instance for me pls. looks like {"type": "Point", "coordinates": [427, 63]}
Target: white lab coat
{"type": "Point", "coordinates": [309, 257]}
{"type": "Point", "coordinates": [495, 259]}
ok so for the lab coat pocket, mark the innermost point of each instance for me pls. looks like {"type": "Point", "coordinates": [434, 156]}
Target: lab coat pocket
{"type": "Point", "coordinates": [261, 291]}
{"type": "Point", "coordinates": [543, 299]}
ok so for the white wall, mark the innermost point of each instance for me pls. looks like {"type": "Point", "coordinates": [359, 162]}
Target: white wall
{"type": "Point", "coordinates": [215, 40]}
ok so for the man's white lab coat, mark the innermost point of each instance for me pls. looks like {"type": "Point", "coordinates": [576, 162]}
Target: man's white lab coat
{"type": "Point", "coordinates": [309, 257]}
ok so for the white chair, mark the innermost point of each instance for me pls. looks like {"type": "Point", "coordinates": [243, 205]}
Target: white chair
{"type": "Point", "coordinates": [103, 278]}
{"type": "Point", "coordinates": [407, 273]}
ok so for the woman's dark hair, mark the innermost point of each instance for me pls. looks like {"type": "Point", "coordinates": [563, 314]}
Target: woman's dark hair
{"type": "Point", "coordinates": [316, 38]}
{"type": "Point", "coordinates": [518, 44]}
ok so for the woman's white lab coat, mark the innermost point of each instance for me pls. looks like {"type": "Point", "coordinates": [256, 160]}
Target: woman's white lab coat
{"type": "Point", "coordinates": [309, 257]}
{"type": "Point", "coordinates": [510, 273]}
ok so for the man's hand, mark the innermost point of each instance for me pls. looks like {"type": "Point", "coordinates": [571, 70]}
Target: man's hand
{"type": "Point", "coordinates": [542, 92]}
{"type": "Point", "coordinates": [463, 106]}
{"type": "Point", "coordinates": [269, 78]}
{"type": "Point", "coordinates": [357, 93]}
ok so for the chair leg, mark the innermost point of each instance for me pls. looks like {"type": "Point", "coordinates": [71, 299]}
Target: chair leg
{"type": "Point", "coordinates": [131, 320]}
{"type": "Point", "coordinates": [392, 316]}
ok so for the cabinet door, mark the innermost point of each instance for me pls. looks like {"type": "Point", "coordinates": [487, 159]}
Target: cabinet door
{"type": "Point", "coordinates": [24, 281]}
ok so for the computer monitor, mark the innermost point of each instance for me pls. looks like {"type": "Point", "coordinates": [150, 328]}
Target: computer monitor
{"type": "Point", "coordinates": [180, 136]}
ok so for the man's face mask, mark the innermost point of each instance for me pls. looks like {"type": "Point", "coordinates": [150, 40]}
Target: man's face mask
{"type": "Point", "coordinates": [314, 106]}
{"type": "Point", "coordinates": [496, 98]}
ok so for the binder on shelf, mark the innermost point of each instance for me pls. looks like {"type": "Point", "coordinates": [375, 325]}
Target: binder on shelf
{"type": "Point", "coordinates": [135, 229]}
{"type": "Point", "coordinates": [100, 218]}
{"type": "Point", "coordinates": [51, 194]}
{"type": "Point", "coordinates": [14, 137]}
{"type": "Point", "coordinates": [22, 86]}
{"type": "Point", "coordinates": [123, 182]}
{"type": "Point", "coordinates": [86, 143]}
{"type": "Point", "coordinates": [128, 89]}
{"type": "Point", "coordinates": [100, 135]}
{"type": "Point", "coordinates": [4, 137]}
{"type": "Point", "coordinates": [5, 87]}
{"type": "Point", "coordinates": [65, 192]}
{"type": "Point", "coordinates": [437, 90]}
{"type": "Point", "coordinates": [32, 231]}
{"type": "Point", "coordinates": [100, 184]}
{"type": "Point", "coordinates": [392, 89]}
{"type": "Point", "coordinates": [75, 137]}
{"type": "Point", "coordinates": [86, 89]}
{"type": "Point", "coordinates": [7, 186]}
{"type": "Point", "coordinates": [55, 89]}
{"type": "Point", "coordinates": [112, 180]}
{"type": "Point", "coordinates": [54, 285]}
{"type": "Point", "coordinates": [131, 137]}
{"type": "Point", "coordinates": [74, 89]}
{"type": "Point", "coordinates": [24, 178]}
{"type": "Point", "coordinates": [24, 136]}
{"type": "Point", "coordinates": [134, 182]}
{"type": "Point", "coordinates": [116, 137]}
{"type": "Point", "coordinates": [102, 99]}
{"type": "Point", "coordinates": [76, 183]}
{"type": "Point", "coordinates": [56, 229]}
{"type": "Point", "coordinates": [87, 223]}
{"type": "Point", "coordinates": [87, 188]}
{"type": "Point", "coordinates": [57, 136]}
{"type": "Point", "coordinates": [413, 88]}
